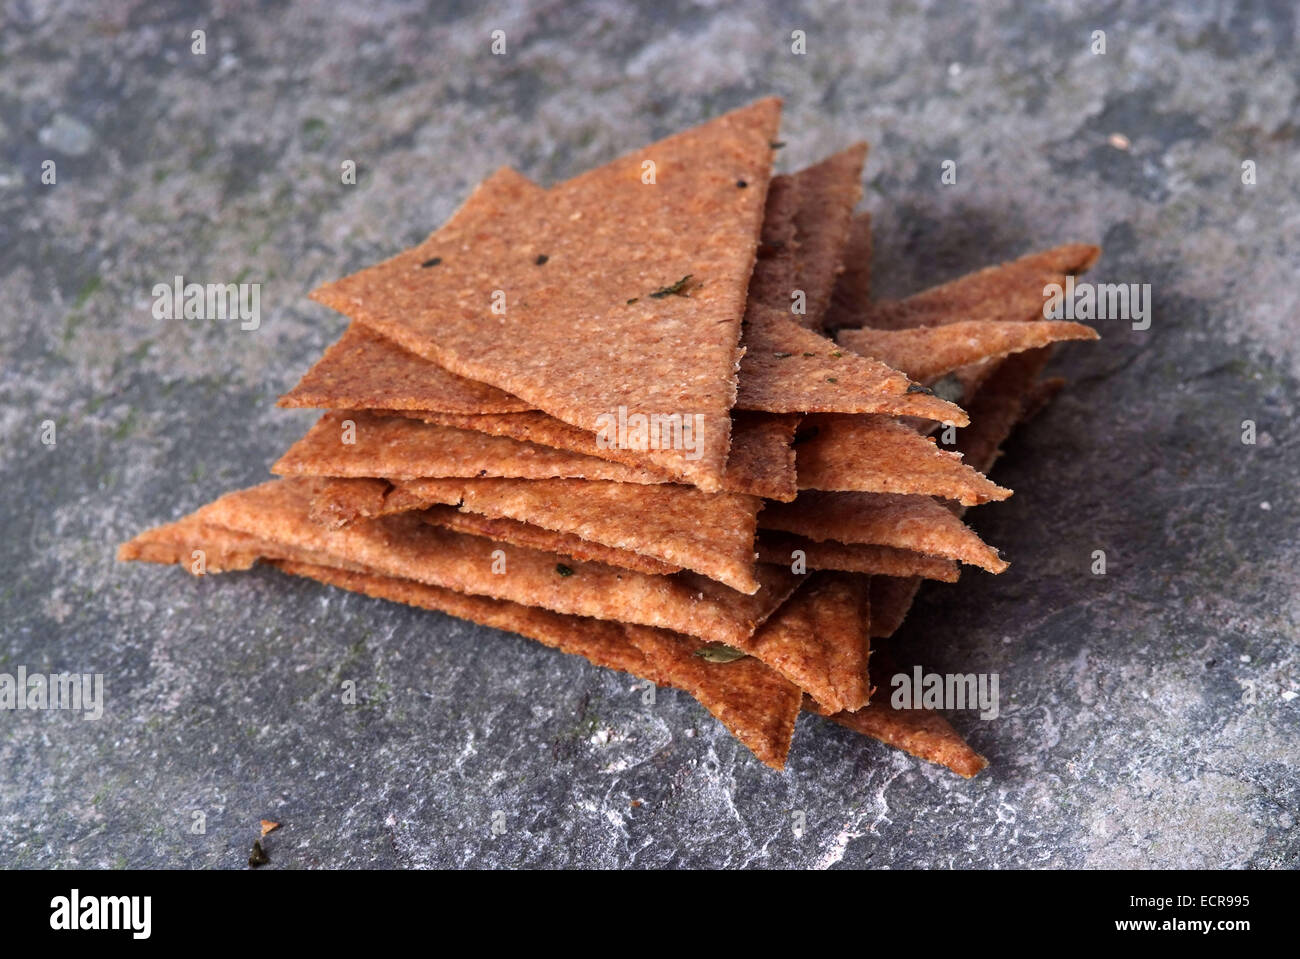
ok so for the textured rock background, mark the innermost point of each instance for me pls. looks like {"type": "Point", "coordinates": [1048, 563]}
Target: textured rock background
{"type": "Point", "coordinates": [1124, 739]}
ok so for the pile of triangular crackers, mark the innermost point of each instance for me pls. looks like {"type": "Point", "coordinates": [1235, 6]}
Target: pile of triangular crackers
{"type": "Point", "coordinates": [487, 451]}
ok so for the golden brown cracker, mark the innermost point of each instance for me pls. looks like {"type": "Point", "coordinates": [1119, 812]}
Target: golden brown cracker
{"type": "Point", "coordinates": [755, 702]}
{"type": "Point", "coordinates": [922, 733]}
{"type": "Point", "coordinates": [1007, 291]}
{"type": "Point", "coordinates": [781, 548]}
{"type": "Point", "coordinates": [926, 353]}
{"type": "Point", "coordinates": [918, 523]}
{"type": "Point", "coordinates": [395, 447]}
{"type": "Point", "coordinates": [185, 542]}
{"type": "Point", "coordinates": [805, 228]}
{"type": "Point", "coordinates": [852, 292]}
{"type": "Point", "coordinates": [788, 369]}
{"type": "Point", "coordinates": [818, 640]}
{"type": "Point", "coordinates": [535, 537]}
{"type": "Point", "coordinates": [761, 462]}
{"type": "Point", "coordinates": [363, 370]}
{"type": "Point", "coordinates": [830, 191]}
{"type": "Point", "coordinates": [278, 514]}
{"type": "Point", "coordinates": [554, 300]}
{"type": "Point", "coordinates": [871, 453]}
{"type": "Point", "coordinates": [709, 533]}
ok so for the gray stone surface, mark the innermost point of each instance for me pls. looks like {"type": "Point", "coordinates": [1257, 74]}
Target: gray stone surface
{"type": "Point", "coordinates": [1124, 739]}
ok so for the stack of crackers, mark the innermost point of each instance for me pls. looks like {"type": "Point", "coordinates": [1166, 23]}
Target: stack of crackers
{"type": "Point", "coordinates": [611, 416]}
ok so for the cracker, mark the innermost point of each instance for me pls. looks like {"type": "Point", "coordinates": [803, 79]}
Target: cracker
{"type": "Point", "coordinates": [998, 406]}
{"type": "Point", "coordinates": [918, 523]}
{"type": "Point", "coordinates": [818, 640]}
{"type": "Point", "coordinates": [277, 514]}
{"type": "Point", "coordinates": [852, 291]}
{"type": "Point", "coordinates": [1008, 291]}
{"type": "Point", "coordinates": [776, 267]}
{"type": "Point", "coordinates": [830, 191]}
{"type": "Point", "coordinates": [804, 232]}
{"type": "Point", "coordinates": [876, 454]}
{"type": "Point", "coordinates": [753, 702]}
{"type": "Point", "coordinates": [756, 703]}
{"type": "Point", "coordinates": [927, 353]}
{"type": "Point", "coordinates": [922, 733]}
{"type": "Point", "coordinates": [535, 537]}
{"type": "Point", "coordinates": [891, 600]}
{"type": "Point", "coordinates": [597, 325]}
{"type": "Point", "coordinates": [179, 543]}
{"type": "Point", "coordinates": [709, 533]}
{"type": "Point", "coordinates": [787, 369]}
{"type": "Point", "coordinates": [761, 462]}
{"type": "Point", "coordinates": [777, 547]}
{"type": "Point", "coordinates": [395, 447]}
{"type": "Point", "coordinates": [337, 502]}
{"type": "Point", "coordinates": [363, 370]}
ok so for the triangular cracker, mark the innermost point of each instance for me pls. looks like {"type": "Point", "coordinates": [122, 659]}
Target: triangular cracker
{"type": "Point", "coordinates": [780, 548]}
{"type": "Point", "coordinates": [876, 454]}
{"type": "Point", "coordinates": [852, 291]}
{"type": "Point", "coordinates": [536, 537]}
{"type": "Point", "coordinates": [928, 352]}
{"type": "Point", "coordinates": [787, 368]}
{"type": "Point", "coordinates": [277, 514]}
{"type": "Point", "coordinates": [396, 447]}
{"type": "Point", "coordinates": [923, 733]}
{"type": "Point", "coordinates": [710, 533]}
{"type": "Point", "coordinates": [818, 640]}
{"type": "Point", "coordinates": [591, 275]}
{"type": "Point", "coordinates": [363, 370]}
{"type": "Point", "coordinates": [761, 462]}
{"type": "Point", "coordinates": [917, 523]}
{"type": "Point", "coordinates": [1008, 291]}
{"type": "Point", "coordinates": [754, 702]}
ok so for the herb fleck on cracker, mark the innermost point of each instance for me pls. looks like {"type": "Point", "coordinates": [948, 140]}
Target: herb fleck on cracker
{"type": "Point", "coordinates": [541, 259]}
{"type": "Point", "coordinates": [431, 262]}
{"type": "Point", "coordinates": [719, 653]}
{"type": "Point", "coordinates": [674, 290]}
{"type": "Point", "coordinates": [563, 570]}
